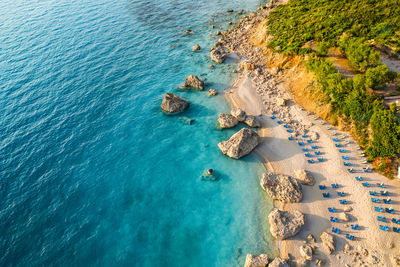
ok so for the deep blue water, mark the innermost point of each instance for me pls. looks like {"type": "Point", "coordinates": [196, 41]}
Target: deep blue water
{"type": "Point", "coordinates": [91, 171]}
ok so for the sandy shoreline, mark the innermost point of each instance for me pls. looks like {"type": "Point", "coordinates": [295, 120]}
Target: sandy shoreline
{"type": "Point", "coordinates": [283, 156]}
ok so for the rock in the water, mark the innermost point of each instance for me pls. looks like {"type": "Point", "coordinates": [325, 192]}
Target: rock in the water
{"type": "Point", "coordinates": [218, 55]}
{"type": "Point", "coordinates": [282, 187]}
{"type": "Point", "coordinates": [304, 177]}
{"type": "Point", "coordinates": [239, 114]}
{"type": "Point", "coordinates": [194, 82]}
{"type": "Point", "coordinates": [306, 252]}
{"type": "Point", "coordinates": [227, 121]}
{"type": "Point", "coordinates": [328, 242]}
{"type": "Point", "coordinates": [186, 120]}
{"type": "Point", "coordinates": [218, 33]}
{"type": "Point", "coordinates": [278, 262]}
{"type": "Point", "coordinates": [240, 144]}
{"type": "Point", "coordinates": [285, 224]}
{"type": "Point", "coordinates": [310, 238]}
{"type": "Point", "coordinates": [230, 10]}
{"type": "Point", "coordinates": [343, 216]}
{"type": "Point", "coordinates": [188, 31]}
{"type": "Point", "coordinates": [256, 261]}
{"type": "Point", "coordinates": [173, 103]}
{"type": "Point", "coordinates": [280, 101]}
{"type": "Point", "coordinates": [252, 121]}
{"type": "Point", "coordinates": [212, 92]}
{"type": "Point", "coordinates": [196, 47]}
{"type": "Point", "coordinates": [211, 66]}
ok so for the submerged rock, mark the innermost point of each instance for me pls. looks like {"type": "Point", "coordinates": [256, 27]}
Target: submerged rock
{"type": "Point", "coordinates": [304, 177]}
{"type": "Point", "coordinates": [252, 121]}
{"type": "Point", "coordinates": [218, 55]}
{"type": "Point", "coordinates": [240, 144]}
{"type": "Point", "coordinates": [212, 92]}
{"type": "Point", "coordinates": [227, 121]}
{"type": "Point", "coordinates": [278, 262]}
{"type": "Point", "coordinates": [173, 103]}
{"type": "Point", "coordinates": [328, 242]}
{"type": "Point", "coordinates": [239, 114]}
{"type": "Point", "coordinates": [186, 120]}
{"type": "Point", "coordinates": [196, 47]}
{"type": "Point", "coordinates": [256, 261]}
{"type": "Point", "coordinates": [285, 224]}
{"type": "Point", "coordinates": [282, 187]}
{"type": "Point", "coordinates": [194, 82]}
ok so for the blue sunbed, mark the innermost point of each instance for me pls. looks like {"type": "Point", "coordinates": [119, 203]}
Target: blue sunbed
{"type": "Point", "coordinates": [301, 143]}
{"type": "Point", "coordinates": [279, 122]}
{"type": "Point", "coordinates": [335, 185]}
{"type": "Point", "coordinates": [291, 138]}
{"type": "Point", "coordinates": [331, 209]}
{"type": "Point", "coordinates": [366, 184]}
{"type": "Point", "coordinates": [355, 227]}
{"type": "Point", "coordinates": [314, 147]}
{"type": "Point", "coordinates": [311, 161]}
{"type": "Point", "coordinates": [273, 117]}
{"type": "Point", "coordinates": [373, 193]}
{"type": "Point", "coordinates": [336, 230]}
{"type": "Point", "coordinates": [366, 169]}
{"type": "Point", "coordinates": [342, 150]}
{"type": "Point", "coordinates": [334, 219]}
{"type": "Point", "coordinates": [381, 219]}
{"type": "Point", "coordinates": [350, 237]}
{"type": "Point", "coordinates": [343, 201]}
{"type": "Point", "coordinates": [346, 157]}
{"type": "Point", "coordinates": [350, 170]}
{"type": "Point", "coordinates": [286, 125]}
{"type": "Point", "coordinates": [289, 130]}
{"type": "Point", "coordinates": [391, 211]}
{"type": "Point", "coordinates": [321, 159]}
{"type": "Point", "coordinates": [384, 228]}
{"type": "Point", "coordinates": [335, 139]}
{"type": "Point", "coordinates": [340, 194]}
{"type": "Point", "coordinates": [375, 200]}
{"type": "Point", "coordinates": [338, 145]}
{"type": "Point", "coordinates": [308, 155]}
{"type": "Point", "coordinates": [359, 178]}
{"type": "Point", "coordinates": [396, 221]}
{"type": "Point", "coordinates": [309, 141]}
{"type": "Point", "coordinates": [395, 229]}
{"type": "Point", "coordinates": [317, 153]}
{"type": "Point", "coordinates": [305, 149]}
{"type": "Point", "coordinates": [387, 201]}
{"type": "Point", "coordinates": [381, 185]}
{"type": "Point", "coordinates": [346, 163]}
{"type": "Point", "coordinates": [384, 193]}
{"type": "Point", "coordinates": [304, 136]}
{"type": "Point", "coordinates": [326, 195]}
{"type": "Point", "coordinates": [378, 209]}
{"type": "Point", "coordinates": [322, 187]}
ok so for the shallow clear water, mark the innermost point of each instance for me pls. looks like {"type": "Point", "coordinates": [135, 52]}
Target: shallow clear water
{"type": "Point", "coordinates": [91, 172]}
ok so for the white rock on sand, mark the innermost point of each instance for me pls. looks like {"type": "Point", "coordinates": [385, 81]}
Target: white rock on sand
{"type": "Point", "coordinates": [227, 120]}
{"type": "Point", "coordinates": [256, 260]}
{"type": "Point", "coordinates": [240, 144]}
{"type": "Point", "coordinates": [282, 187]}
{"type": "Point", "coordinates": [239, 114]}
{"type": "Point", "coordinates": [306, 252]}
{"type": "Point", "coordinates": [328, 242]}
{"type": "Point", "coordinates": [304, 177]}
{"type": "Point", "coordinates": [285, 224]}
{"type": "Point", "coordinates": [252, 121]}
{"type": "Point", "coordinates": [278, 262]}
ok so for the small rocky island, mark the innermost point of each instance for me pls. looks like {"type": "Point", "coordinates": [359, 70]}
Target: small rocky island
{"type": "Point", "coordinates": [240, 144]}
{"type": "Point", "coordinates": [173, 103]}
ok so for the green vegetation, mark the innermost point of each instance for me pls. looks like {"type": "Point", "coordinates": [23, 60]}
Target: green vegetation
{"type": "Point", "coordinates": [355, 26]}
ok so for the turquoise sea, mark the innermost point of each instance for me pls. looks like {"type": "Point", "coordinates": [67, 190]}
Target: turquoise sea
{"type": "Point", "coordinates": [92, 173]}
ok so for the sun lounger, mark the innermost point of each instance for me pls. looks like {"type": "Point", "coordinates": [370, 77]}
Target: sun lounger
{"type": "Point", "coordinates": [343, 201]}
{"type": "Point", "coordinates": [384, 228]}
{"type": "Point", "coordinates": [335, 139]}
{"type": "Point", "coordinates": [328, 127]}
{"type": "Point", "coordinates": [375, 200]}
{"type": "Point", "coordinates": [334, 219]}
{"type": "Point", "coordinates": [309, 141]}
{"type": "Point", "coordinates": [314, 147]}
{"type": "Point", "coordinates": [322, 122]}
{"type": "Point", "coordinates": [326, 195]}
{"type": "Point", "coordinates": [335, 185]}
{"type": "Point", "coordinates": [391, 211]}
{"type": "Point", "coordinates": [358, 147]}
{"type": "Point", "coordinates": [286, 125]}
{"type": "Point", "coordinates": [317, 153]}
{"type": "Point", "coordinates": [395, 229]}
{"type": "Point", "coordinates": [346, 157]}
{"type": "Point", "coordinates": [359, 178]}
{"type": "Point", "coordinates": [381, 185]}
{"type": "Point", "coordinates": [335, 230]}
{"type": "Point", "coordinates": [305, 149]}
{"type": "Point", "coordinates": [340, 194]}
{"type": "Point", "coordinates": [301, 143]}
{"type": "Point", "coordinates": [373, 193]}
{"type": "Point", "coordinates": [331, 209]}
{"type": "Point", "coordinates": [342, 150]}
{"type": "Point", "coordinates": [273, 117]}
{"type": "Point", "coordinates": [338, 145]}
{"type": "Point", "coordinates": [381, 219]}
{"type": "Point", "coordinates": [355, 227]}
{"type": "Point", "coordinates": [289, 130]}
{"type": "Point", "coordinates": [322, 187]}
{"type": "Point", "coordinates": [279, 122]}
{"type": "Point", "coordinates": [378, 209]}
{"type": "Point", "coordinates": [366, 184]}
{"type": "Point", "coordinates": [364, 161]}
{"type": "Point", "coordinates": [396, 221]}
{"type": "Point", "coordinates": [291, 138]}
{"type": "Point", "coordinates": [347, 141]}
{"type": "Point", "coordinates": [321, 159]}
{"type": "Point", "coordinates": [311, 161]}
{"type": "Point", "coordinates": [350, 170]}
{"type": "Point", "coordinates": [346, 163]}
{"type": "Point", "coordinates": [308, 155]}
{"type": "Point", "coordinates": [350, 237]}
{"type": "Point", "coordinates": [387, 201]}
{"type": "Point", "coordinates": [385, 193]}
{"type": "Point", "coordinates": [304, 136]}
{"type": "Point", "coordinates": [367, 169]}
{"type": "Point", "coordinates": [315, 117]}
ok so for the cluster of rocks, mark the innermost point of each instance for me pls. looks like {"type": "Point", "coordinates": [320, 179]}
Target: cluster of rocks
{"type": "Point", "coordinates": [285, 224]}
{"type": "Point", "coordinates": [237, 115]}
{"type": "Point", "coordinates": [262, 260]}
{"type": "Point", "coordinates": [282, 187]}
{"type": "Point", "coordinates": [240, 144]}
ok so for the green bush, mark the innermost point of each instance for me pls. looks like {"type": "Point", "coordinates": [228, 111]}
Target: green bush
{"type": "Point", "coordinates": [360, 55]}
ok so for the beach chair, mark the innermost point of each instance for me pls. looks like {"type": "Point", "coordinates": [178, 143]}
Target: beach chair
{"type": "Point", "coordinates": [334, 219]}
{"type": "Point", "coordinates": [347, 141]}
{"type": "Point", "coordinates": [350, 237]}
{"type": "Point", "coordinates": [355, 227]}
{"type": "Point", "coordinates": [328, 127]}
{"type": "Point", "coordinates": [335, 139]}
{"type": "Point", "coordinates": [364, 161]}
{"type": "Point", "coordinates": [315, 117]}
{"type": "Point", "coordinates": [350, 170]}
{"type": "Point", "coordinates": [305, 149]}
{"type": "Point", "coordinates": [308, 155]}
{"type": "Point", "coordinates": [342, 150]}
{"type": "Point", "coordinates": [321, 159]}
{"type": "Point", "coordinates": [346, 157]}
{"type": "Point", "coordinates": [279, 122]}
{"type": "Point", "coordinates": [291, 138]}
{"type": "Point", "coordinates": [366, 184]}
{"type": "Point", "coordinates": [388, 210]}
{"type": "Point", "coordinates": [378, 209]}
{"type": "Point", "coordinates": [366, 169]}
{"type": "Point", "coordinates": [338, 145]}
{"type": "Point", "coordinates": [385, 193]}
{"type": "Point", "coordinates": [384, 227]}
{"type": "Point", "coordinates": [309, 141]}
{"type": "Point", "coordinates": [381, 219]}
{"type": "Point", "coordinates": [395, 229]}
{"type": "Point", "coordinates": [289, 130]}
{"type": "Point", "coordinates": [322, 187]}
{"type": "Point", "coordinates": [335, 185]}
{"type": "Point", "coordinates": [381, 185]}
{"type": "Point", "coordinates": [311, 161]}
{"type": "Point", "coordinates": [301, 143]}
{"type": "Point", "coordinates": [358, 147]}
{"type": "Point", "coordinates": [273, 117]}
{"type": "Point", "coordinates": [340, 194]}
{"type": "Point", "coordinates": [317, 153]}
{"type": "Point", "coordinates": [335, 230]}
{"type": "Point", "coordinates": [346, 163]}
{"type": "Point", "coordinates": [304, 136]}
{"type": "Point", "coordinates": [387, 201]}
{"type": "Point", "coordinates": [343, 201]}
{"type": "Point", "coordinates": [359, 178]}
{"type": "Point", "coordinates": [307, 112]}
{"type": "Point", "coordinates": [396, 221]}
{"type": "Point", "coordinates": [322, 122]}
{"type": "Point", "coordinates": [375, 200]}
{"type": "Point", "coordinates": [331, 209]}
{"type": "Point", "coordinates": [314, 147]}
{"type": "Point", "coordinates": [286, 125]}
{"type": "Point", "coordinates": [373, 193]}
{"type": "Point", "coordinates": [325, 195]}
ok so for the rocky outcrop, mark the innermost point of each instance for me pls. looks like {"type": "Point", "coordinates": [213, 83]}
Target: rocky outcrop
{"type": "Point", "coordinates": [240, 144]}
{"type": "Point", "coordinates": [218, 55]}
{"type": "Point", "coordinates": [278, 262]}
{"type": "Point", "coordinates": [246, 66]}
{"type": "Point", "coordinates": [227, 121]}
{"type": "Point", "coordinates": [256, 261]}
{"type": "Point", "coordinates": [173, 103]}
{"type": "Point", "coordinates": [212, 92]}
{"type": "Point", "coordinates": [252, 121]}
{"type": "Point", "coordinates": [285, 224]}
{"type": "Point", "coordinates": [304, 177]}
{"type": "Point", "coordinates": [306, 252]}
{"type": "Point", "coordinates": [239, 114]}
{"type": "Point", "coordinates": [282, 187]}
{"type": "Point", "coordinates": [343, 216]}
{"type": "Point", "coordinates": [193, 81]}
{"type": "Point", "coordinates": [280, 101]}
{"type": "Point", "coordinates": [328, 242]}
{"type": "Point", "coordinates": [196, 47]}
